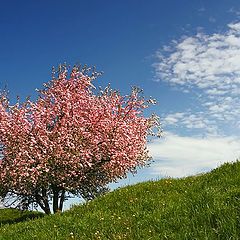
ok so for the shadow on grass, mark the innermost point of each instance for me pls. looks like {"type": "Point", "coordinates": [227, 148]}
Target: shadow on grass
{"type": "Point", "coordinates": [11, 215]}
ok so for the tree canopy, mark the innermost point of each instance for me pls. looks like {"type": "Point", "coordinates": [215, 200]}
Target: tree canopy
{"type": "Point", "coordinates": [72, 139]}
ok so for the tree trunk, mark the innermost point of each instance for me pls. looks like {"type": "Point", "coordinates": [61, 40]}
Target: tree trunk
{"type": "Point", "coordinates": [42, 201]}
{"type": "Point", "coordinates": [47, 210]}
{"type": "Point", "coordinates": [58, 200]}
{"type": "Point", "coordinates": [62, 198]}
{"type": "Point", "coordinates": [45, 201]}
{"type": "Point", "coordinates": [55, 200]}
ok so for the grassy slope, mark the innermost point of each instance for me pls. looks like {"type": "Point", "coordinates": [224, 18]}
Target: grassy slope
{"type": "Point", "coordinates": [11, 215]}
{"type": "Point", "coordinates": [198, 207]}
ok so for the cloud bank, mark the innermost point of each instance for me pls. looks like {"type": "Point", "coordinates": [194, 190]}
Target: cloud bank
{"type": "Point", "coordinates": [210, 66]}
{"type": "Point", "coordinates": [178, 156]}
{"type": "Point", "coordinates": [206, 66]}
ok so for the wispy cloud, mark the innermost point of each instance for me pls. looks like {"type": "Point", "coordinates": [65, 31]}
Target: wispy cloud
{"type": "Point", "coordinates": [212, 19]}
{"type": "Point", "coordinates": [202, 9]}
{"type": "Point", "coordinates": [210, 65]}
{"type": "Point", "coordinates": [178, 156]}
{"type": "Point", "coordinates": [190, 120]}
{"type": "Point", "coordinates": [234, 11]}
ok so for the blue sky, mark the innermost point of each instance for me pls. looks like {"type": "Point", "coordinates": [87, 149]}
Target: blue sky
{"type": "Point", "coordinates": [186, 54]}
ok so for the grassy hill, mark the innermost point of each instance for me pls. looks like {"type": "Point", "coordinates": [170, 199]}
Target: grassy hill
{"type": "Point", "coordinates": [197, 207]}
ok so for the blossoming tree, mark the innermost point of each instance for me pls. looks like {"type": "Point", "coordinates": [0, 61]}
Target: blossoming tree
{"type": "Point", "coordinates": [72, 138]}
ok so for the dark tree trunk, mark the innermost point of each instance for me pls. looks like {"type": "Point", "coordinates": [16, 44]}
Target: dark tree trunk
{"type": "Point", "coordinates": [45, 201]}
{"type": "Point", "coordinates": [62, 198]}
{"type": "Point", "coordinates": [46, 209]}
{"type": "Point", "coordinates": [58, 200]}
{"type": "Point", "coordinates": [42, 201]}
{"type": "Point", "coordinates": [55, 200]}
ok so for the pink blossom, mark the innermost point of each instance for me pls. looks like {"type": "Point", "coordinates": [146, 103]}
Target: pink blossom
{"type": "Point", "coordinates": [54, 144]}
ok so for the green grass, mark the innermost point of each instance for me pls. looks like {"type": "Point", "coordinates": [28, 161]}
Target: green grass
{"type": "Point", "coordinates": [11, 215]}
{"type": "Point", "coordinates": [197, 207]}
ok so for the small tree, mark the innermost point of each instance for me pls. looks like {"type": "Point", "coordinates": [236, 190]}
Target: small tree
{"type": "Point", "coordinates": [72, 139]}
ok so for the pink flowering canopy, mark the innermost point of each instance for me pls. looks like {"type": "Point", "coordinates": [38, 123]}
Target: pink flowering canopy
{"type": "Point", "coordinates": [73, 136]}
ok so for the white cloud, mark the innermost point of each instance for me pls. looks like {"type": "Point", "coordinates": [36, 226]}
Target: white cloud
{"type": "Point", "coordinates": [209, 64]}
{"type": "Point", "coordinates": [234, 11]}
{"type": "Point", "coordinates": [177, 156]}
{"type": "Point", "coordinates": [202, 9]}
{"type": "Point", "coordinates": [190, 120]}
{"type": "Point", "coordinates": [235, 27]}
{"type": "Point", "coordinates": [173, 118]}
{"type": "Point", "coordinates": [212, 19]}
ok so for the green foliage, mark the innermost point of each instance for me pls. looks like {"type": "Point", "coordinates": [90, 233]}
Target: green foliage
{"type": "Point", "coordinates": [197, 207]}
